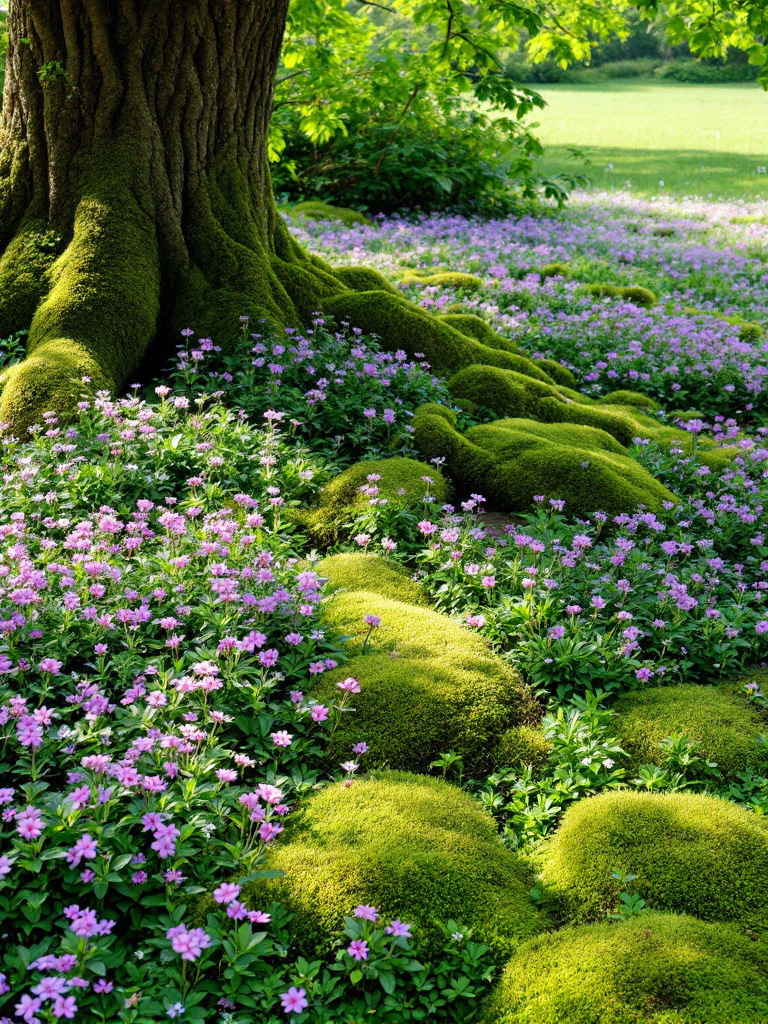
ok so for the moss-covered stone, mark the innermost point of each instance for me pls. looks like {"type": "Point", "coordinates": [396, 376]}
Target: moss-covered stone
{"type": "Point", "coordinates": [523, 745]}
{"type": "Point", "coordinates": [372, 573]}
{"type": "Point", "coordinates": [656, 969]}
{"type": "Point", "coordinates": [475, 327]}
{"type": "Point", "coordinates": [416, 848]}
{"type": "Point", "coordinates": [632, 293]}
{"type": "Point", "coordinates": [401, 482]}
{"type": "Point", "coordinates": [415, 331]}
{"type": "Point", "coordinates": [691, 853]}
{"type": "Point", "coordinates": [513, 460]}
{"type": "Point", "coordinates": [717, 719]}
{"type": "Point", "coordinates": [314, 209]}
{"type": "Point", "coordinates": [445, 279]}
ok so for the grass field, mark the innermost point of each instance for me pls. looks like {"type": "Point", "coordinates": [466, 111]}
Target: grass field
{"type": "Point", "coordinates": [704, 140]}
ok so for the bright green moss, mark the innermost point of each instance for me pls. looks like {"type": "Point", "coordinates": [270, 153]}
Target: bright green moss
{"type": "Point", "coordinates": [475, 327]}
{"type": "Point", "coordinates": [639, 296]}
{"type": "Point", "coordinates": [657, 969]}
{"type": "Point", "coordinates": [405, 326]}
{"type": "Point", "coordinates": [512, 394]}
{"type": "Point", "coordinates": [633, 398]}
{"type": "Point", "coordinates": [314, 209]}
{"type": "Point", "coordinates": [341, 499]}
{"type": "Point", "coordinates": [523, 745]}
{"type": "Point", "coordinates": [415, 848]}
{"type": "Point", "coordinates": [364, 279]}
{"type": "Point", "coordinates": [99, 315]}
{"type": "Point", "coordinates": [555, 270]}
{"type": "Point", "coordinates": [372, 573]}
{"type": "Point", "coordinates": [445, 279]}
{"type": "Point", "coordinates": [510, 461]}
{"type": "Point", "coordinates": [24, 269]}
{"type": "Point", "coordinates": [717, 719]}
{"type": "Point", "coordinates": [412, 709]}
{"type": "Point", "coordinates": [560, 374]}
{"type": "Point", "coordinates": [692, 854]}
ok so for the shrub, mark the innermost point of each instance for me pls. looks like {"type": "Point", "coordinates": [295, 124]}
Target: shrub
{"type": "Point", "coordinates": [414, 847]}
{"type": "Point", "coordinates": [720, 723]}
{"type": "Point", "coordinates": [689, 70]}
{"type": "Point", "coordinates": [371, 573]}
{"type": "Point", "coordinates": [691, 854]}
{"type": "Point", "coordinates": [655, 969]}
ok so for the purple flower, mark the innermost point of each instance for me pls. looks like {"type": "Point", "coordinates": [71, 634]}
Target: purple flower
{"type": "Point", "coordinates": [294, 1000]}
{"type": "Point", "coordinates": [366, 912]}
{"type": "Point", "coordinates": [358, 949]}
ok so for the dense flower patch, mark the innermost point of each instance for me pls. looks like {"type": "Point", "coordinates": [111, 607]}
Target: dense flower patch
{"type": "Point", "coordinates": [702, 267]}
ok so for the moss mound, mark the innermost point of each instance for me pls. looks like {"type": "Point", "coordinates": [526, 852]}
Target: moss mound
{"type": "Point", "coordinates": [555, 270]}
{"type": "Point", "coordinates": [445, 279]}
{"type": "Point", "coordinates": [717, 719]}
{"type": "Point", "coordinates": [481, 330]}
{"type": "Point", "coordinates": [513, 460]}
{"type": "Point", "coordinates": [401, 482]}
{"type": "Point", "coordinates": [372, 573]}
{"type": "Point", "coordinates": [415, 848]}
{"type": "Point", "coordinates": [633, 293]}
{"type": "Point", "coordinates": [692, 854]}
{"type": "Point", "coordinates": [633, 398]}
{"type": "Point", "coordinates": [523, 745]}
{"type": "Point", "coordinates": [560, 374]}
{"type": "Point", "coordinates": [428, 684]}
{"type": "Point", "coordinates": [656, 969]}
{"type": "Point", "coordinates": [415, 331]}
{"type": "Point", "coordinates": [314, 209]}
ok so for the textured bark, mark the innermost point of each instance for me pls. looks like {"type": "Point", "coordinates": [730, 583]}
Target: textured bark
{"type": "Point", "coordinates": [134, 186]}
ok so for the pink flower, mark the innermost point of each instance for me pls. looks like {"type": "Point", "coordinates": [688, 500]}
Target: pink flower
{"type": "Point", "coordinates": [51, 666]}
{"type": "Point", "coordinates": [366, 913]}
{"type": "Point", "coordinates": [269, 830]}
{"type": "Point", "coordinates": [226, 774]}
{"type": "Point", "coordinates": [350, 685]}
{"type": "Point", "coordinates": [397, 928]}
{"type": "Point", "coordinates": [478, 621]}
{"type": "Point", "coordinates": [358, 949]}
{"type": "Point", "coordinates": [294, 1000]}
{"type": "Point", "coordinates": [85, 847]}
{"type": "Point", "coordinates": [226, 892]}
{"type": "Point", "coordinates": [189, 944]}
{"type": "Point", "coordinates": [319, 713]}
{"type": "Point", "coordinates": [282, 738]}
{"type": "Point", "coordinates": [373, 620]}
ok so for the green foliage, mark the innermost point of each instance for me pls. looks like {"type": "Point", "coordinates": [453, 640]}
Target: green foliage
{"type": "Point", "coordinates": [414, 847]}
{"type": "Point", "coordinates": [692, 854]}
{"type": "Point", "coordinates": [521, 746]}
{"type": "Point", "coordinates": [682, 70]}
{"type": "Point", "coordinates": [653, 969]}
{"type": "Point", "coordinates": [717, 720]}
{"type": "Point", "coordinates": [343, 507]}
{"type": "Point", "coordinates": [518, 458]}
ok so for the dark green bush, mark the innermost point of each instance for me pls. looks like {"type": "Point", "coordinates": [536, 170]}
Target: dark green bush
{"type": "Point", "coordinates": [655, 969]}
{"type": "Point", "coordinates": [690, 70]}
{"type": "Point", "coordinates": [414, 847]}
{"type": "Point", "coordinates": [690, 853]}
{"type": "Point", "coordinates": [722, 726]}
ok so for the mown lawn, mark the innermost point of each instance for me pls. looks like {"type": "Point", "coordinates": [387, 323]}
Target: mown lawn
{"type": "Point", "coordinates": [706, 140]}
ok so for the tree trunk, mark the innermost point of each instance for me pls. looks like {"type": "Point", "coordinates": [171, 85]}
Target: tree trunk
{"type": "Point", "coordinates": [135, 198]}
{"type": "Point", "coordinates": [134, 187]}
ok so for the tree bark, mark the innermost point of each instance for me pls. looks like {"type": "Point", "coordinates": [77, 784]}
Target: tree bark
{"type": "Point", "coordinates": [135, 198]}
{"type": "Point", "coordinates": [134, 187]}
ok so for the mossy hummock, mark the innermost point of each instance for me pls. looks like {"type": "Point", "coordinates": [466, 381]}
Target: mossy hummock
{"type": "Point", "coordinates": [417, 849]}
{"type": "Point", "coordinates": [690, 853]}
{"type": "Point", "coordinates": [512, 460]}
{"type": "Point", "coordinates": [720, 723]}
{"type": "Point", "coordinates": [656, 969]}
{"type": "Point", "coordinates": [428, 685]}
{"type": "Point", "coordinates": [402, 483]}
{"type": "Point", "coordinates": [377, 575]}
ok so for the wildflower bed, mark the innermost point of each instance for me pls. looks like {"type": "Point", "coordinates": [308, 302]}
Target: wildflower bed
{"type": "Point", "coordinates": [181, 677]}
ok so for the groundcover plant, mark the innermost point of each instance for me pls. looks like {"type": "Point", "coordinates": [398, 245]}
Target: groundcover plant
{"type": "Point", "coordinates": [206, 812]}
